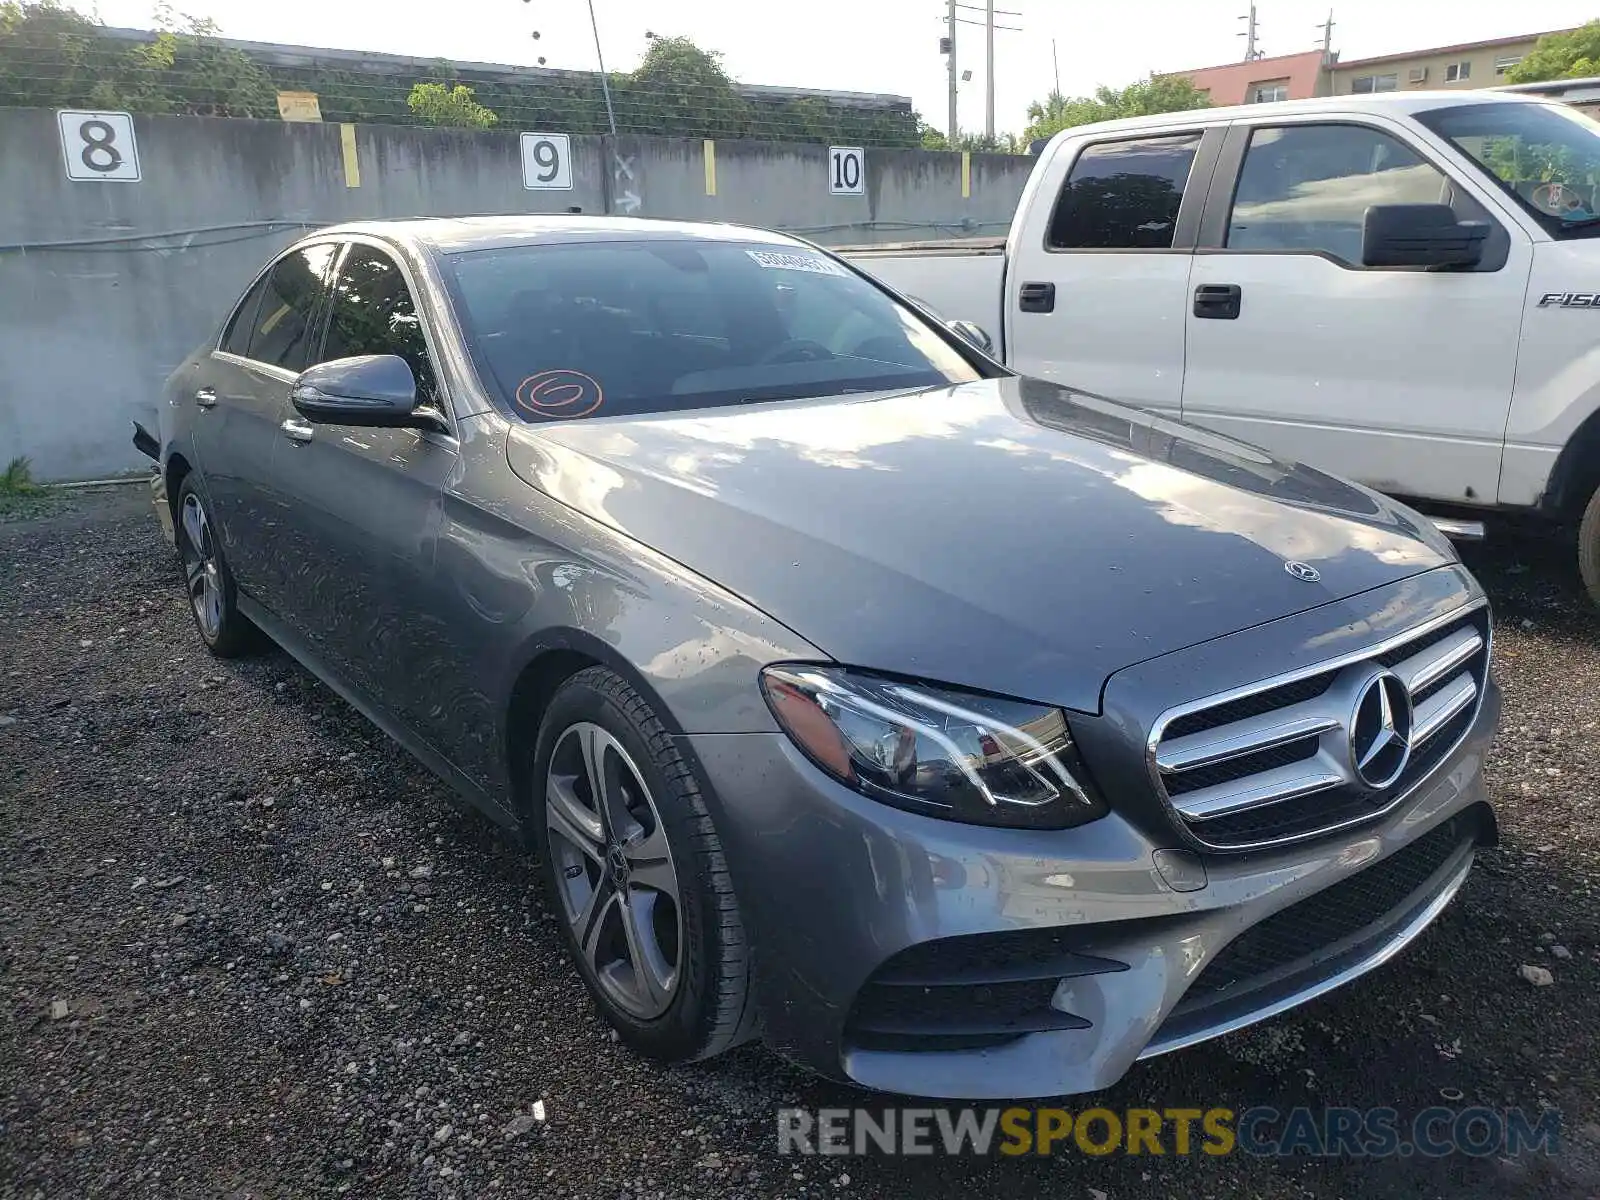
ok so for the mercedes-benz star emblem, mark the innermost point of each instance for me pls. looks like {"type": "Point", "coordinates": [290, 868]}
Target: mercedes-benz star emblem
{"type": "Point", "coordinates": [1302, 570]}
{"type": "Point", "coordinates": [1380, 731]}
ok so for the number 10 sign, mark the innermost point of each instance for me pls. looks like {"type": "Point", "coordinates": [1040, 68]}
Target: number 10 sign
{"type": "Point", "coordinates": [845, 174]}
{"type": "Point", "coordinates": [547, 161]}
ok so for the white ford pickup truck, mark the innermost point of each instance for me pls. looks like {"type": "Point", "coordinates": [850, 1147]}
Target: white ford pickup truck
{"type": "Point", "coordinates": [1403, 289]}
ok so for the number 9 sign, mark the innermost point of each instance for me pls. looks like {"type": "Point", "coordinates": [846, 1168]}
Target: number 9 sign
{"type": "Point", "coordinates": [99, 146]}
{"type": "Point", "coordinates": [546, 161]}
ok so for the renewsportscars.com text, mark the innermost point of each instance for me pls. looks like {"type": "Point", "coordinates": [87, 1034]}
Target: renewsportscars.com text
{"type": "Point", "coordinates": [1215, 1131]}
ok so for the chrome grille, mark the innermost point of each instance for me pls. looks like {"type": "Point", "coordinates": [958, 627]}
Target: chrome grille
{"type": "Point", "coordinates": [1282, 759]}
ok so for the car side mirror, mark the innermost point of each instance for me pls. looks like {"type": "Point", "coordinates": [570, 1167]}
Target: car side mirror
{"type": "Point", "coordinates": [371, 390]}
{"type": "Point", "coordinates": [974, 333]}
{"type": "Point", "coordinates": [1420, 235]}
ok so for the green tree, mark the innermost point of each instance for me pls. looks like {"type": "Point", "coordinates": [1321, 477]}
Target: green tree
{"type": "Point", "coordinates": [1157, 94]}
{"type": "Point", "coordinates": [53, 57]}
{"type": "Point", "coordinates": [682, 90]}
{"type": "Point", "coordinates": [1573, 55]}
{"type": "Point", "coordinates": [436, 104]}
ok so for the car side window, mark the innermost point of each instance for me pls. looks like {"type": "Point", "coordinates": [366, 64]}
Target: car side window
{"type": "Point", "coordinates": [372, 312]}
{"type": "Point", "coordinates": [1307, 188]}
{"type": "Point", "coordinates": [285, 319]}
{"type": "Point", "coordinates": [236, 338]}
{"type": "Point", "coordinates": [1124, 195]}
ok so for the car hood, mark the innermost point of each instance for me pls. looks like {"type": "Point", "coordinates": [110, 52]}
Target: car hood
{"type": "Point", "coordinates": [1008, 535]}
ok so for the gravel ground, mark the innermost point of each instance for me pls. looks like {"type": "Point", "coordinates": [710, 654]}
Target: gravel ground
{"type": "Point", "coordinates": [250, 949]}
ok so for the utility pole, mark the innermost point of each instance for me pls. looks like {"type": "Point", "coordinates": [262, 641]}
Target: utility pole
{"type": "Point", "coordinates": [988, 114]}
{"type": "Point", "coordinates": [955, 124]}
{"type": "Point", "coordinates": [1055, 61]}
{"type": "Point", "coordinates": [1325, 69]}
{"type": "Point", "coordinates": [1249, 35]}
{"type": "Point", "coordinates": [605, 84]}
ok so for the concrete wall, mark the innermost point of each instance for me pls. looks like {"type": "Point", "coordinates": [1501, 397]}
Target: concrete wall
{"type": "Point", "coordinates": [105, 287]}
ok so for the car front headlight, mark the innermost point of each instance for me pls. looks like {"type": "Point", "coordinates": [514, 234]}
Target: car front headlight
{"type": "Point", "coordinates": [936, 751]}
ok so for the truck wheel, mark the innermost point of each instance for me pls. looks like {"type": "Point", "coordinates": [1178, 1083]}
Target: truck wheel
{"type": "Point", "coordinates": [1589, 547]}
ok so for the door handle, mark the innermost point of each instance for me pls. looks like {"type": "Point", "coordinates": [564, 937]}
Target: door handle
{"type": "Point", "coordinates": [1037, 297]}
{"type": "Point", "coordinates": [206, 397]}
{"type": "Point", "coordinates": [297, 430]}
{"type": "Point", "coordinates": [1218, 301]}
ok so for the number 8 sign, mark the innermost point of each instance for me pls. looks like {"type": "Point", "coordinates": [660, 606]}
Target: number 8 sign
{"type": "Point", "coordinates": [547, 161]}
{"type": "Point", "coordinates": [99, 146]}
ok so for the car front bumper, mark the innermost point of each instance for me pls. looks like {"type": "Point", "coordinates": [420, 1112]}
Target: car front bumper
{"type": "Point", "coordinates": [840, 893]}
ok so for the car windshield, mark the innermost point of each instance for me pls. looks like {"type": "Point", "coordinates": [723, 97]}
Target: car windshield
{"type": "Point", "coordinates": [621, 328]}
{"type": "Point", "coordinates": [1545, 155]}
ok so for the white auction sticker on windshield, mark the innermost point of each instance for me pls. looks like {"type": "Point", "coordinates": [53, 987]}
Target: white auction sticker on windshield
{"type": "Point", "coordinates": [777, 260]}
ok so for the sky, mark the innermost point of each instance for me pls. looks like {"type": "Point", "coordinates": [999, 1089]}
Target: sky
{"type": "Point", "coordinates": [876, 45]}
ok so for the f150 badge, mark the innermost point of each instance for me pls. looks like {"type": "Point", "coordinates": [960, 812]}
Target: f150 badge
{"type": "Point", "coordinates": [1570, 300]}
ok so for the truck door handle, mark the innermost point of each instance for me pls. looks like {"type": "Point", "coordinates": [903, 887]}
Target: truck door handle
{"type": "Point", "coordinates": [1037, 297]}
{"type": "Point", "coordinates": [297, 430]}
{"type": "Point", "coordinates": [1217, 301]}
{"type": "Point", "coordinates": [206, 397]}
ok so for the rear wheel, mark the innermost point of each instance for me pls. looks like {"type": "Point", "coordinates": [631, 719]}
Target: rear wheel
{"type": "Point", "coordinates": [636, 871]}
{"type": "Point", "coordinates": [1589, 547]}
{"type": "Point", "coordinates": [213, 600]}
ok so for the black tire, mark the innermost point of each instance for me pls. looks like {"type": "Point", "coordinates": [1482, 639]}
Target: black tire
{"type": "Point", "coordinates": [1589, 547]}
{"type": "Point", "coordinates": [230, 634]}
{"type": "Point", "coordinates": [712, 1006]}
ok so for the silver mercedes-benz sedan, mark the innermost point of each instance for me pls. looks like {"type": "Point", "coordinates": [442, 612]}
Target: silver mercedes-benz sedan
{"type": "Point", "coordinates": [958, 733]}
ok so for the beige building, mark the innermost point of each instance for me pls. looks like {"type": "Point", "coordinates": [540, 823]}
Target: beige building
{"type": "Point", "coordinates": [1468, 65]}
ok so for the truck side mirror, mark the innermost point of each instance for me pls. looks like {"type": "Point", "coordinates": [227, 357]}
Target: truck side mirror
{"type": "Point", "coordinates": [974, 333]}
{"type": "Point", "coordinates": [1420, 235]}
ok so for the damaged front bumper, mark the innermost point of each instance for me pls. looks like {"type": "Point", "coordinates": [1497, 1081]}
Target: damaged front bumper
{"type": "Point", "coordinates": [145, 442]}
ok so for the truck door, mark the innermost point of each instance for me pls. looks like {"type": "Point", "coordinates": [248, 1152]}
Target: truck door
{"type": "Point", "coordinates": [1398, 377]}
{"type": "Point", "coordinates": [1097, 281]}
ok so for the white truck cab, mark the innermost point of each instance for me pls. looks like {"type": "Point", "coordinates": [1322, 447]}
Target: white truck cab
{"type": "Point", "coordinates": [1402, 288]}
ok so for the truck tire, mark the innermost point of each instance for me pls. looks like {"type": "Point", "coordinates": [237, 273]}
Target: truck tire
{"type": "Point", "coordinates": [1589, 547]}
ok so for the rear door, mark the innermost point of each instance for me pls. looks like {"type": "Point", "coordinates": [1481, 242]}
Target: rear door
{"type": "Point", "coordinates": [365, 509]}
{"type": "Point", "coordinates": [1097, 284]}
{"type": "Point", "coordinates": [242, 392]}
{"type": "Point", "coordinates": [1398, 377]}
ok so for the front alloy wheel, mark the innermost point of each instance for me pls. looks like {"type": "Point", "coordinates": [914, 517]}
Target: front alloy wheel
{"type": "Point", "coordinates": [614, 872]}
{"type": "Point", "coordinates": [637, 873]}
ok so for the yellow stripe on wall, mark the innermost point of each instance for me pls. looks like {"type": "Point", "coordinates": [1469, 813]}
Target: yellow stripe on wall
{"type": "Point", "coordinates": [711, 167]}
{"type": "Point", "coordinates": [352, 168]}
{"type": "Point", "coordinates": [966, 174]}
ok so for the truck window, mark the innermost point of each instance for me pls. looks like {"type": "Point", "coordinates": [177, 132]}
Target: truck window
{"type": "Point", "coordinates": [1307, 188]}
{"type": "Point", "coordinates": [1124, 195]}
{"type": "Point", "coordinates": [1546, 156]}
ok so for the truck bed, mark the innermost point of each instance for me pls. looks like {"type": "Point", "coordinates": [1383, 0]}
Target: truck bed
{"type": "Point", "coordinates": [960, 279]}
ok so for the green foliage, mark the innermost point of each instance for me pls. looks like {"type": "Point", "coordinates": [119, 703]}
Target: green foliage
{"type": "Point", "coordinates": [20, 496]}
{"type": "Point", "coordinates": [436, 104]}
{"type": "Point", "coordinates": [977, 143]}
{"type": "Point", "coordinates": [1157, 94]}
{"type": "Point", "coordinates": [17, 478]}
{"type": "Point", "coordinates": [1574, 55]}
{"type": "Point", "coordinates": [54, 57]}
{"type": "Point", "coordinates": [679, 86]}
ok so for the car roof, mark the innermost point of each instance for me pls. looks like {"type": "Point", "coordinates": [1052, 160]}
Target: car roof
{"type": "Point", "coordinates": [453, 235]}
{"type": "Point", "coordinates": [1399, 103]}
